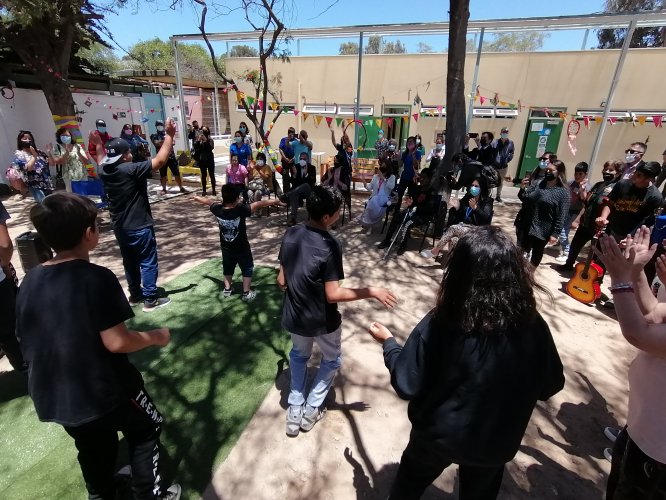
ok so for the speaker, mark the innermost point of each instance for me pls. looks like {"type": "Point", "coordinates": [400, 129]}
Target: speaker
{"type": "Point", "coordinates": [32, 250]}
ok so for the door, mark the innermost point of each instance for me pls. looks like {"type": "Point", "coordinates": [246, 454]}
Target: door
{"type": "Point", "coordinates": [542, 134]}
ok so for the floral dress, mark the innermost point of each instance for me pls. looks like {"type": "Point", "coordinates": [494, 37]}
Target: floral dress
{"type": "Point", "coordinates": [74, 169]}
{"type": "Point", "coordinates": [40, 176]}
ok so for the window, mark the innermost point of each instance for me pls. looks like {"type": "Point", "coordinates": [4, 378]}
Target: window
{"type": "Point", "coordinates": [396, 110]}
{"type": "Point", "coordinates": [495, 113]}
{"type": "Point", "coordinates": [350, 109]}
{"type": "Point", "coordinates": [320, 109]}
{"type": "Point", "coordinates": [433, 112]}
{"type": "Point", "coordinates": [593, 113]}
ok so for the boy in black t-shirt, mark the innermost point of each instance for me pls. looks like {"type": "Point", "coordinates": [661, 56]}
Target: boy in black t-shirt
{"type": "Point", "coordinates": [310, 274]}
{"type": "Point", "coordinates": [75, 341]}
{"type": "Point", "coordinates": [231, 215]}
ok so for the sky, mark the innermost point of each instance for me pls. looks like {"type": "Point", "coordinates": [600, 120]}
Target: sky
{"type": "Point", "coordinates": [153, 19]}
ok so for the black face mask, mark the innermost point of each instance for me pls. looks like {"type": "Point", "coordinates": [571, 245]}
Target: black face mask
{"type": "Point", "coordinates": [607, 176]}
{"type": "Point", "coordinates": [483, 142]}
{"type": "Point", "coordinates": [549, 176]}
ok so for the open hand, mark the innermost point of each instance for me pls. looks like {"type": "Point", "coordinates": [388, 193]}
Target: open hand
{"type": "Point", "coordinates": [94, 138]}
{"type": "Point", "coordinates": [618, 266]}
{"type": "Point", "coordinates": [385, 296]}
{"type": "Point", "coordinates": [638, 250]}
{"type": "Point", "coordinates": [49, 149]}
{"type": "Point", "coordinates": [379, 332]}
{"type": "Point", "coordinates": [33, 151]}
{"type": "Point", "coordinates": [661, 268]}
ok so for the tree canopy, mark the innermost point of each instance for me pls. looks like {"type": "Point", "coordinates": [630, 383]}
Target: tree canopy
{"type": "Point", "coordinates": [374, 45]}
{"type": "Point", "coordinates": [529, 41]}
{"type": "Point", "coordinates": [642, 37]}
{"type": "Point", "coordinates": [243, 51]}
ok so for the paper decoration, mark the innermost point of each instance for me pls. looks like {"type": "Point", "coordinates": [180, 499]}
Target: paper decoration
{"type": "Point", "coordinates": [597, 119]}
{"type": "Point", "coordinates": [114, 116]}
{"type": "Point", "coordinates": [274, 106]}
{"type": "Point", "coordinates": [657, 119]}
{"type": "Point", "coordinates": [261, 105]}
{"type": "Point", "coordinates": [482, 99]}
{"type": "Point", "coordinates": [296, 112]}
{"type": "Point", "coordinates": [586, 121]}
{"type": "Point", "coordinates": [329, 120]}
{"type": "Point", "coordinates": [88, 102]}
{"type": "Point", "coordinates": [612, 120]}
{"type": "Point", "coordinates": [405, 119]}
{"type": "Point", "coordinates": [318, 119]}
{"type": "Point", "coordinates": [378, 121]}
{"type": "Point", "coordinates": [416, 117]}
{"type": "Point", "coordinates": [305, 116]}
{"type": "Point", "coordinates": [250, 101]}
{"type": "Point", "coordinates": [338, 121]}
{"type": "Point", "coordinates": [144, 119]}
{"type": "Point", "coordinates": [495, 100]}
{"type": "Point", "coordinates": [642, 120]}
{"type": "Point", "coordinates": [389, 121]}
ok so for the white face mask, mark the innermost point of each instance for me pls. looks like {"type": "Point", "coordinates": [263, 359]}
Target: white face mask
{"type": "Point", "coordinates": [160, 128]}
{"type": "Point", "coordinates": [418, 141]}
{"type": "Point", "coordinates": [438, 146]}
{"type": "Point", "coordinates": [260, 163]}
{"type": "Point", "coordinates": [630, 158]}
{"type": "Point", "coordinates": [302, 163]}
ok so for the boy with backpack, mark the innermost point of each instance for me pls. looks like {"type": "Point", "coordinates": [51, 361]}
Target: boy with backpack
{"type": "Point", "coordinates": [75, 343]}
{"type": "Point", "coordinates": [236, 251]}
{"type": "Point", "coordinates": [310, 274]}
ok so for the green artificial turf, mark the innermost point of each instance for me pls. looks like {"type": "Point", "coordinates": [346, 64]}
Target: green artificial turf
{"type": "Point", "coordinates": [223, 358]}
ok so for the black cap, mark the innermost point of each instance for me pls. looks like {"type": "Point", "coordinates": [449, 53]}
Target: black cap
{"type": "Point", "coordinates": [115, 149]}
{"type": "Point", "coordinates": [100, 123]}
{"type": "Point", "coordinates": [650, 169]}
{"type": "Point", "coordinates": [159, 122]}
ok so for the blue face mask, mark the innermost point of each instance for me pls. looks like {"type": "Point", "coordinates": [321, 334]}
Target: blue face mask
{"type": "Point", "coordinates": [65, 139]}
{"type": "Point", "coordinates": [475, 190]}
{"type": "Point", "coordinates": [102, 130]}
{"type": "Point", "coordinates": [242, 129]}
{"type": "Point", "coordinates": [543, 164]}
{"type": "Point", "coordinates": [238, 140]}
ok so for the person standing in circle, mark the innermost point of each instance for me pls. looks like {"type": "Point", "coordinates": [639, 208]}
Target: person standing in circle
{"type": "Point", "coordinates": [172, 162]}
{"type": "Point", "coordinates": [205, 156]}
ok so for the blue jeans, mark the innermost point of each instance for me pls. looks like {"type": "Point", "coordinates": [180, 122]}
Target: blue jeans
{"type": "Point", "coordinates": [564, 234]}
{"type": "Point", "coordinates": [39, 194]}
{"type": "Point", "coordinates": [139, 250]}
{"type": "Point", "coordinates": [331, 349]}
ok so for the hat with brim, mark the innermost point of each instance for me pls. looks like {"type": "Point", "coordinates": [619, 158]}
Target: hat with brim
{"type": "Point", "coordinates": [115, 149]}
{"type": "Point", "coordinates": [650, 169]}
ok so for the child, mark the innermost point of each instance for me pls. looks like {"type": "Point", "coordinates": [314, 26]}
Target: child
{"type": "Point", "coordinates": [236, 250]}
{"type": "Point", "coordinates": [75, 347]}
{"type": "Point", "coordinates": [310, 274]}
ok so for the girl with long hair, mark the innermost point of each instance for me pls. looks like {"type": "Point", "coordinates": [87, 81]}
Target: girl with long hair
{"type": "Point", "coordinates": [32, 165]}
{"type": "Point", "coordinates": [473, 368]}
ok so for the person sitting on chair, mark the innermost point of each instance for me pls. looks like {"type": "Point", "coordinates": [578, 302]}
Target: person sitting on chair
{"type": "Point", "coordinates": [419, 200]}
{"type": "Point", "coordinates": [474, 209]}
{"type": "Point", "coordinates": [303, 179]}
{"type": "Point", "coordinates": [339, 176]}
{"type": "Point", "coordinates": [381, 186]}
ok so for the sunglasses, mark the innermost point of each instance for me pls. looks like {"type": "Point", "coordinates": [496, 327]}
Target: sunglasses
{"type": "Point", "coordinates": [633, 151]}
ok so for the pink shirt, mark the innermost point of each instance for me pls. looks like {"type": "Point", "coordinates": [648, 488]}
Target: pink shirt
{"type": "Point", "coordinates": [236, 175]}
{"type": "Point", "coordinates": [647, 405]}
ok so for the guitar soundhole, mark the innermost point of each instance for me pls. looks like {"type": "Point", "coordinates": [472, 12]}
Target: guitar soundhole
{"type": "Point", "coordinates": [585, 276]}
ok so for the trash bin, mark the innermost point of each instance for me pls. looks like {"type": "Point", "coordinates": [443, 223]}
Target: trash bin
{"type": "Point", "coordinates": [32, 250]}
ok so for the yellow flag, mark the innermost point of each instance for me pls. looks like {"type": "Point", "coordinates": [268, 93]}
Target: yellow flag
{"type": "Point", "coordinates": [274, 106]}
{"type": "Point", "coordinates": [318, 119]}
{"type": "Point", "coordinates": [378, 121]}
{"type": "Point", "coordinates": [597, 119]}
{"type": "Point", "coordinates": [305, 116]}
{"type": "Point", "coordinates": [642, 120]}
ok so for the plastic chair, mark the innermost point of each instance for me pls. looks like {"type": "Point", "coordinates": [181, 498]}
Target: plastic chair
{"type": "Point", "coordinates": [92, 187]}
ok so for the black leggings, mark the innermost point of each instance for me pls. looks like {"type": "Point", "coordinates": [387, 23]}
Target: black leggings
{"type": "Point", "coordinates": [536, 245]}
{"type": "Point", "coordinates": [580, 239]}
{"type": "Point", "coordinates": [207, 170]}
{"type": "Point", "coordinates": [8, 342]}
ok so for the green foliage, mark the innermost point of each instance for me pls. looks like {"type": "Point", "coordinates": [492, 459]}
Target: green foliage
{"type": "Point", "coordinates": [396, 47]}
{"type": "Point", "coordinates": [348, 48]}
{"type": "Point", "coordinates": [243, 51]}
{"type": "Point", "coordinates": [99, 59]}
{"type": "Point", "coordinates": [424, 48]}
{"type": "Point", "coordinates": [528, 41]}
{"type": "Point", "coordinates": [613, 38]}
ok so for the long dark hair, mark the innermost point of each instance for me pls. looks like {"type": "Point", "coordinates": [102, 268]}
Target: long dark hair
{"type": "Point", "coordinates": [19, 145]}
{"type": "Point", "coordinates": [488, 286]}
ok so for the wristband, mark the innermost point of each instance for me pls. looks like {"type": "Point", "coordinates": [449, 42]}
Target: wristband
{"type": "Point", "coordinates": [614, 291]}
{"type": "Point", "coordinates": [622, 287]}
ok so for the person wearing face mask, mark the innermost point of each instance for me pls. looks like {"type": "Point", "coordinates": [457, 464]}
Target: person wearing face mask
{"type": "Point", "coordinates": [33, 166]}
{"type": "Point", "coordinates": [301, 144]}
{"type": "Point", "coordinates": [287, 156]}
{"type": "Point", "coordinates": [194, 131]}
{"type": "Point", "coordinates": [172, 162]}
{"type": "Point", "coordinates": [344, 160]}
{"type": "Point", "coordinates": [593, 203]}
{"type": "Point", "coordinates": [126, 185]}
{"type": "Point", "coordinates": [473, 209]}
{"type": "Point", "coordinates": [634, 158]}
{"type": "Point", "coordinates": [100, 131]}
{"type": "Point", "coordinates": [261, 179]}
{"type": "Point", "coordinates": [245, 133]}
{"type": "Point", "coordinates": [138, 144]}
{"type": "Point", "coordinates": [205, 156]}
{"type": "Point", "coordinates": [304, 178]}
{"type": "Point", "coordinates": [410, 160]}
{"type": "Point", "coordinates": [662, 175]}
{"type": "Point", "coordinates": [381, 145]}
{"type": "Point", "coordinates": [393, 157]}
{"type": "Point", "coordinates": [549, 205]}
{"type": "Point", "coordinates": [242, 150]}
{"type": "Point", "coordinates": [380, 187]}
{"type": "Point", "coordinates": [536, 176]}
{"type": "Point", "coordinates": [419, 145]}
{"type": "Point", "coordinates": [70, 159]}
{"type": "Point", "coordinates": [484, 152]}
{"type": "Point", "coordinates": [504, 148]}
{"type": "Point", "coordinates": [436, 154]}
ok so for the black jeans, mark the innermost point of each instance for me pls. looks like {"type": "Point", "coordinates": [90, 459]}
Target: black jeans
{"type": "Point", "coordinates": [295, 196]}
{"type": "Point", "coordinates": [97, 443]}
{"type": "Point", "coordinates": [536, 245]}
{"type": "Point", "coordinates": [397, 219]}
{"type": "Point", "coordinates": [8, 342]}
{"type": "Point", "coordinates": [207, 170]}
{"type": "Point", "coordinates": [421, 464]}
{"type": "Point", "coordinates": [633, 474]}
{"type": "Point", "coordinates": [581, 237]}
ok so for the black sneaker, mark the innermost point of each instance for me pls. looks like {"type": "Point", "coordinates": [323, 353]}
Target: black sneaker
{"type": "Point", "coordinates": [151, 305]}
{"type": "Point", "coordinates": [383, 245]}
{"type": "Point", "coordinates": [401, 250]}
{"type": "Point", "coordinates": [283, 198]}
{"type": "Point", "coordinates": [563, 268]}
{"type": "Point", "coordinates": [135, 301]}
{"type": "Point", "coordinates": [498, 199]}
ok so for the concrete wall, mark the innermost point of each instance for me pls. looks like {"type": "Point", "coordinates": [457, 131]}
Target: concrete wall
{"type": "Point", "coordinates": [571, 80]}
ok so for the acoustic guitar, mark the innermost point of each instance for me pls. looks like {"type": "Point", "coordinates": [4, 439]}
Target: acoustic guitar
{"type": "Point", "coordinates": [584, 284]}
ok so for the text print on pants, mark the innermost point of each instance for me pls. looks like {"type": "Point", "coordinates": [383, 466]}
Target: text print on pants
{"type": "Point", "coordinates": [143, 401]}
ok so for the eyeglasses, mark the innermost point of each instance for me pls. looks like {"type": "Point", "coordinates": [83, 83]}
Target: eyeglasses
{"type": "Point", "coordinates": [634, 152]}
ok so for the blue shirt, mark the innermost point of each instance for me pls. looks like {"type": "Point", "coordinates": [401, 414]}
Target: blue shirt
{"type": "Point", "coordinates": [301, 148]}
{"type": "Point", "coordinates": [244, 152]}
{"type": "Point", "coordinates": [408, 164]}
{"type": "Point", "coordinates": [286, 148]}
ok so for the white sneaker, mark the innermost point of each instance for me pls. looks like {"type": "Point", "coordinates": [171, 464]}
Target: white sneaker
{"type": "Point", "coordinates": [427, 254]}
{"type": "Point", "coordinates": [562, 258]}
{"type": "Point", "coordinates": [368, 232]}
{"type": "Point", "coordinates": [612, 433]}
{"type": "Point", "coordinates": [173, 492]}
{"type": "Point", "coordinates": [608, 454]}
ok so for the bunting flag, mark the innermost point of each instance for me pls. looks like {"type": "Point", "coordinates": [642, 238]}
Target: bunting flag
{"type": "Point", "coordinates": [240, 96]}
{"type": "Point", "coordinates": [416, 117]}
{"type": "Point", "coordinates": [274, 106]}
{"type": "Point", "coordinates": [296, 112]}
{"type": "Point", "coordinates": [261, 105]}
{"type": "Point", "coordinates": [349, 121]}
{"type": "Point", "coordinates": [482, 99]}
{"type": "Point", "coordinates": [503, 103]}
{"type": "Point", "coordinates": [338, 121]}
{"type": "Point", "coordinates": [250, 101]}
{"type": "Point", "coordinates": [586, 121]}
{"type": "Point", "coordinates": [405, 119]}
{"type": "Point", "coordinates": [642, 120]}
{"type": "Point", "coordinates": [657, 119]}
{"type": "Point", "coordinates": [305, 116]}
{"type": "Point", "coordinates": [612, 120]}
{"type": "Point", "coordinates": [389, 121]}
{"type": "Point", "coordinates": [478, 91]}
{"type": "Point", "coordinates": [512, 106]}
{"type": "Point", "coordinates": [317, 120]}
{"type": "Point", "coordinates": [378, 121]}
{"type": "Point", "coordinates": [597, 119]}
{"type": "Point", "coordinates": [329, 120]}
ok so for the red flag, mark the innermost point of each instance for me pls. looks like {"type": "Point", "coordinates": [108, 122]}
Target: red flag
{"type": "Point", "coordinates": [296, 112]}
{"type": "Point", "coordinates": [586, 120]}
{"type": "Point", "coordinates": [612, 120]}
{"type": "Point", "coordinates": [329, 120]}
{"type": "Point", "coordinates": [482, 99]}
{"type": "Point", "coordinates": [389, 121]}
{"type": "Point", "coordinates": [416, 116]}
{"type": "Point", "coordinates": [657, 120]}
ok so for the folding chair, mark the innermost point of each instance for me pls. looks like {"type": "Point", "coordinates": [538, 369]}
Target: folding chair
{"type": "Point", "coordinates": [92, 188]}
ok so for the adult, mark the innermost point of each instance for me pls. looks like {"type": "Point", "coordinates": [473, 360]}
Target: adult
{"type": "Point", "coordinates": [662, 175]}
{"type": "Point", "coordinates": [579, 188]}
{"type": "Point", "coordinates": [474, 209]}
{"type": "Point", "coordinates": [594, 201]}
{"type": "Point", "coordinates": [381, 145]}
{"type": "Point", "coordinates": [380, 187]}
{"type": "Point", "coordinates": [549, 202]}
{"type": "Point", "coordinates": [126, 185]}
{"type": "Point", "coordinates": [242, 150]}
{"type": "Point", "coordinates": [472, 369]}
{"type": "Point", "coordinates": [304, 178]}
{"type": "Point", "coordinates": [194, 131]}
{"type": "Point", "coordinates": [204, 154]}
{"type": "Point", "coordinates": [420, 147]}
{"type": "Point", "coordinates": [634, 158]}
{"type": "Point", "coordinates": [70, 158]}
{"type": "Point", "coordinates": [505, 149]}
{"type": "Point", "coordinates": [436, 155]}
{"type": "Point", "coordinates": [639, 457]}
{"type": "Point", "coordinates": [301, 144]}
{"type": "Point", "coordinates": [287, 157]}
{"type": "Point", "coordinates": [33, 166]}
{"type": "Point", "coordinates": [237, 176]}
{"type": "Point", "coordinates": [344, 159]}
{"type": "Point", "coordinates": [484, 152]}
{"type": "Point", "coordinates": [101, 132]}
{"type": "Point", "coordinates": [393, 157]}
{"type": "Point", "coordinates": [245, 133]}
{"type": "Point", "coordinates": [537, 175]}
{"type": "Point", "coordinates": [138, 144]}
{"type": "Point", "coordinates": [8, 341]}
{"type": "Point", "coordinates": [410, 160]}
{"type": "Point", "coordinates": [158, 139]}
{"type": "Point", "coordinates": [261, 179]}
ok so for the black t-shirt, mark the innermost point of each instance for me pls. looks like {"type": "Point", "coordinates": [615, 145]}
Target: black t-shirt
{"type": "Point", "coordinates": [631, 206]}
{"type": "Point", "coordinates": [126, 185]}
{"type": "Point", "coordinates": [60, 311]}
{"type": "Point", "coordinates": [233, 234]}
{"type": "Point", "coordinates": [159, 137]}
{"type": "Point", "coordinates": [310, 257]}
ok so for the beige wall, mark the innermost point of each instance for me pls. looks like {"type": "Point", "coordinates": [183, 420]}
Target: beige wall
{"type": "Point", "coordinates": [572, 80]}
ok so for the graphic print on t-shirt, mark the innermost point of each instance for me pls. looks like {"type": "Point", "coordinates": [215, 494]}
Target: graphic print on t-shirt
{"type": "Point", "coordinates": [229, 228]}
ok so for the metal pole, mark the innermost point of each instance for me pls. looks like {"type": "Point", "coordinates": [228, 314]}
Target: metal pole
{"type": "Point", "coordinates": [584, 46]}
{"type": "Point", "coordinates": [611, 94]}
{"type": "Point", "coordinates": [181, 98]}
{"type": "Point", "coordinates": [470, 112]}
{"type": "Point", "coordinates": [357, 111]}
{"type": "Point", "coordinates": [216, 104]}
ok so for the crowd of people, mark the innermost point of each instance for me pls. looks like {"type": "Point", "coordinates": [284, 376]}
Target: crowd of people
{"type": "Point", "coordinates": [485, 319]}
